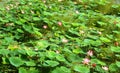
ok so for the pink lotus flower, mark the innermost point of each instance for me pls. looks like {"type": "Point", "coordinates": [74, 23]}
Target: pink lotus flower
{"type": "Point", "coordinates": [90, 53]}
{"type": "Point", "coordinates": [45, 27]}
{"type": "Point", "coordinates": [105, 68]}
{"type": "Point", "coordinates": [86, 61]}
{"type": "Point", "coordinates": [60, 23]}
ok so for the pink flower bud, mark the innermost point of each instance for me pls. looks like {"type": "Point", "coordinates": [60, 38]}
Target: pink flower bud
{"type": "Point", "coordinates": [77, 12]}
{"type": "Point", "coordinates": [99, 32]}
{"type": "Point", "coordinates": [22, 12]}
{"type": "Point", "coordinates": [36, 49]}
{"type": "Point", "coordinates": [60, 0]}
{"type": "Point", "coordinates": [60, 23]}
{"type": "Point", "coordinates": [30, 3]}
{"type": "Point", "coordinates": [105, 68]}
{"type": "Point", "coordinates": [115, 22]}
{"type": "Point", "coordinates": [82, 32]}
{"type": "Point", "coordinates": [57, 51]}
{"type": "Point", "coordinates": [44, 1]}
{"type": "Point", "coordinates": [75, 2]}
{"type": "Point", "coordinates": [32, 12]}
{"type": "Point", "coordinates": [90, 53]}
{"type": "Point", "coordinates": [116, 43]}
{"type": "Point", "coordinates": [93, 65]}
{"type": "Point", "coordinates": [8, 8]}
{"type": "Point", "coordinates": [45, 27]}
{"type": "Point", "coordinates": [64, 40]}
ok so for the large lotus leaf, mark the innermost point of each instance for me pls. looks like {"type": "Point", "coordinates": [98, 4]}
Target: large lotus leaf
{"type": "Point", "coordinates": [115, 49]}
{"type": "Point", "coordinates": [16, 61]}
{"type": "Point", "coordinates": [51, 63]}
{"type": "Point", "coordinates": [61, 69]}
{"type": "Point", "coordinates": [81, 69]}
